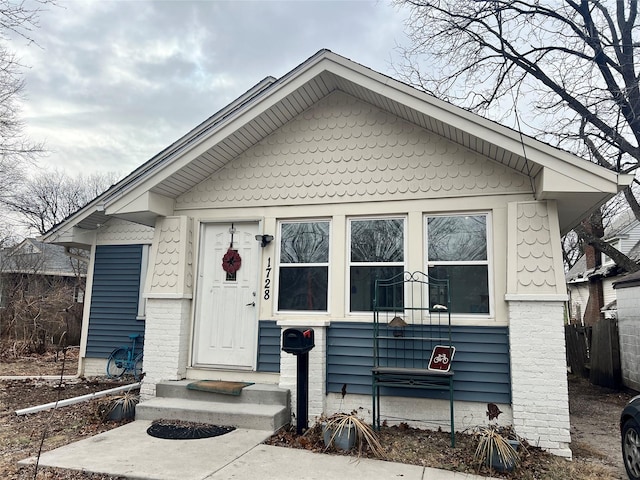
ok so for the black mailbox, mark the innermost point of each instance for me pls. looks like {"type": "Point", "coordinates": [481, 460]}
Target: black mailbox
{"type": "Point", "coordinates": [297, 341]}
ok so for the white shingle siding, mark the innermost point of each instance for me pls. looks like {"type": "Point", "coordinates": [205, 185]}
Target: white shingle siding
{"type": "Point", "coordinates": [122, 232]}
{"type": "Point", "coordinates": [343, 150]}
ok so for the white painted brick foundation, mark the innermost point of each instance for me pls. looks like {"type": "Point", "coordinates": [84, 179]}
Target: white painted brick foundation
{"type": "Point", "coordinates": [166, 342]}
{"type": "Point", "coordinates": [94, 367]}
{"type": "Point", "coordinates": [540, 399]}
{"type": "Point", "coordinates": [418, 412]}
{"type": "Point", "coordinates": [317, 368]}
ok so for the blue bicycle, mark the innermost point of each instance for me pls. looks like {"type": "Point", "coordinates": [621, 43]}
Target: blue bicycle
{"type": "Point", "coordinates": [124, 360]}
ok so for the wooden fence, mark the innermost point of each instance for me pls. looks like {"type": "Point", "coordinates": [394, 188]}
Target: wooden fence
{"type": "Point", "coordinates": [578, 340]}
{"type": "Point", "coordinates": [594, 352]}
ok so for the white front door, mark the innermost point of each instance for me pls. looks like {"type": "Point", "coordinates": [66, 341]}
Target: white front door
{"type": "Point", "coordinates": [226, 321]}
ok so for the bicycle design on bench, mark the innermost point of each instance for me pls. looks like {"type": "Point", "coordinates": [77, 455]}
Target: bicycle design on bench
{"type": "Point", "coordinates": [124, 360]}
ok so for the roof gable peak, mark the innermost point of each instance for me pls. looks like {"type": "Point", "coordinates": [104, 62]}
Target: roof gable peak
{"type": "Point", "coordinates": [273, 102]}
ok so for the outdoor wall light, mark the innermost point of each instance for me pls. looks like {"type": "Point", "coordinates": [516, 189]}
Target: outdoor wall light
{"type": "Point", "coordinates": [264, 240]}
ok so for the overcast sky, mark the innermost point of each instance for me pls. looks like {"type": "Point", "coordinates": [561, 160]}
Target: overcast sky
{"type": "Point", "coordinates": [111, 83]}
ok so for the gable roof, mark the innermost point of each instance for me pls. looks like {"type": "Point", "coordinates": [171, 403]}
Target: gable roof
{"type": "Point", "coordinates": [621, 225]}
{"type": "Point", "coordinates": [150, 190]}
{"type": "Point", "coordinates": [33, 257]}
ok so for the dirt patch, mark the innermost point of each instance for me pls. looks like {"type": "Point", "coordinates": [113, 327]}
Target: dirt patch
{"type": "Point", "coordinates": [594, 429]}
{"type": "Point", "coordinates": [50, 363]}
{"type": "Point", "coordinates": [595, 423]}
{"type": "Point", "coordinates": [21, 436]}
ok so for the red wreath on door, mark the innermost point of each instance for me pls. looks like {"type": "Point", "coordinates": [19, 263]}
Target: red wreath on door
{"type": "Point", "coordinates": [231, 261]}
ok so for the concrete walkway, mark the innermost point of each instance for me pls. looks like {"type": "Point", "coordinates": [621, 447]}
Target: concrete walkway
{"type": "Point", "coordinates": [130, 452]}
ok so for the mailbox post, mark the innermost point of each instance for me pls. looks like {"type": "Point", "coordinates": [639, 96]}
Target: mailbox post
{"type": "Point", "coordinates": [299, 343]}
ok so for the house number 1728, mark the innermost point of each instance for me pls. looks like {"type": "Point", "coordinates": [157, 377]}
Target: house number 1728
{"type": "Point", "coordinates": [267, 281]}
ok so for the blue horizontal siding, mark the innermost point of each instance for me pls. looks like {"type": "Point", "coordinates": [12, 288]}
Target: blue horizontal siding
{"type": "Point", "coordinates": [268, 346]}
{"type": "Point", "coordinates": [114, 299]}
{"type": "Point", "coordinates": [480, 365]}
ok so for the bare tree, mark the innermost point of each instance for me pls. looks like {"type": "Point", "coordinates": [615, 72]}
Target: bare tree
{"type": "Point", "coordinates": [37, 306]}
{"type": "Point", "coordinates": [17, 19]}
{"type": "Point", "coordinates": [566, 69]}
{"type": "Point", "coordinates": [14, 147]}
{"type": "Point", "coordinates": [47, 199]}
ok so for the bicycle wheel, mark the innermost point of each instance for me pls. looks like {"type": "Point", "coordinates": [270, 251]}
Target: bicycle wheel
{"type": "Point", "coordinates": [117, 363]}
{"type": "Point", "coordinates": [137, 366]}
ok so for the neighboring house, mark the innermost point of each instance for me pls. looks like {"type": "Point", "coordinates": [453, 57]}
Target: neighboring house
{"type": "Point", "coordinates": [590, 281]}
{"type": "Point", "coordinates": [41, 294]}
{"type": "Point", "coordinates": [39, 266]}
{"type": "Point", "coordinates": [351, 173]}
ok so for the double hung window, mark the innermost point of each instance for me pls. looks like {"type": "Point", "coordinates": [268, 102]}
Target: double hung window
{"type": "Point", "coordinates": [304, 266]}
{"type": "Point", "coordinates": [376, 251]}
{"type": "Point", "coordinates": [457, 251]}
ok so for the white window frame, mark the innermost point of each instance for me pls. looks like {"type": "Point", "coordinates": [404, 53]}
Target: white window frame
{"type": "Point", "coordinates": [350, 264]}
{"type": "Point", "coordinates": [488, 262]}
{"type": "Point", "coordinates": [280, 265]}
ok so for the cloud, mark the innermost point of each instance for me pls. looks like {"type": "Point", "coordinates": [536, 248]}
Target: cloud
{"type": "Point", "coordinates": [113, 83]}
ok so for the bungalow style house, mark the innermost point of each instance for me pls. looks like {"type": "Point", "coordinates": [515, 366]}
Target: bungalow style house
{"type": "Point", "coordinates": [280, 210]}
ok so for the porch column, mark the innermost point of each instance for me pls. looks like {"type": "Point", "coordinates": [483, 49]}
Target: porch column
{"type": "Point", "coordinates": [168, 292]}
{"type": "Point", "coordinates": [317, 367]}
{"type": "Point", "coordinates": [536, 294]}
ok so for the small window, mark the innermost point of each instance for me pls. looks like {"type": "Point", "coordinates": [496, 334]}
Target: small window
{"type": "Point", "coordinates": [457, 251]}
{"type": "Point", "coordinates": [376, 251]}
{"type": "Point", "coordinates": [303, 277]}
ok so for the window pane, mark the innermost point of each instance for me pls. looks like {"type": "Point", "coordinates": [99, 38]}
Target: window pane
{"type": "Point", "coordinates": [469, 286]}
{"type": "Point", "coordinates": [303, 288]}
{"type": "Point", "coordinates": [304, 242]}
{"type": "Point", "coordinates": [363, 284]}
{"type": "Point", "coordinates": [459, 238]}
{"type": "Point", "coordinates": [377, 240]}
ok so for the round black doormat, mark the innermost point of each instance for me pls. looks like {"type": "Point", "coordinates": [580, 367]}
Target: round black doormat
{"type": "Point", "coordinates": [179, 430]}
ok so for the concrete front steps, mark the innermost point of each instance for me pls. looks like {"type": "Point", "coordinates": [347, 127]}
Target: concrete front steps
{"type": "Point", "coordinates": [258, 407]}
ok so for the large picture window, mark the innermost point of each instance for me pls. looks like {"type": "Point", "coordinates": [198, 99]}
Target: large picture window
{"type": "Point", "coordinates": [304, 266]}
{"type": "Point", "coordinates": [376, 252]}
{"type": "Point", "coordinates": [457, 251]}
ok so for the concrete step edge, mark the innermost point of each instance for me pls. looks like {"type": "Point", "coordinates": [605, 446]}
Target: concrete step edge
{"type": "Point", "coordinates": [208, 406]}
{"type": "Point", "coordinates": [256, 394]}
{"type": "Point", "coordinates": [261, 417]}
